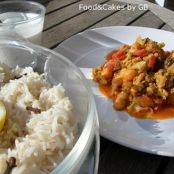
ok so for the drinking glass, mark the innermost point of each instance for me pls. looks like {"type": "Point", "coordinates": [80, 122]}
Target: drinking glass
{"type": "Point", "coordinates": [22, 20]}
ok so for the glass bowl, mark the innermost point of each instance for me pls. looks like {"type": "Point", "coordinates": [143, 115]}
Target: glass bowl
{"type": "Point", "coordinates": [84, 156]}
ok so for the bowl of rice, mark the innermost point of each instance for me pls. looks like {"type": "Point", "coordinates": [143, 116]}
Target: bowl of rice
{"type": "Point", "coordinates": [48, 122]}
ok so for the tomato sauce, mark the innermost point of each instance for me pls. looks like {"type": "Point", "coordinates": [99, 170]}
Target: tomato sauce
{"type": "Point", "coordinates": [162, 113]}
{"type": "Point", "coordinates": [106, 90]}
{"type": "Point", "coordinates": [166, 112]}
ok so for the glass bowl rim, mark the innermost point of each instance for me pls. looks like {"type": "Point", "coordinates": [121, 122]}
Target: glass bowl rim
{"type": "Point", "coordinates": [86, 137]}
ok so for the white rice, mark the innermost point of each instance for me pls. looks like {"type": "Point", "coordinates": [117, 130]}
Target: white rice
{"type": "Point", "coordinates": [38, 141]}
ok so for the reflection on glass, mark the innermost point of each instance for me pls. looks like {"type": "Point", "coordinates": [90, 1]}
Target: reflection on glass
{"type": "Point", "coordinates": [166, 3]}
{"type": "Point", "coordinates": [160, 2]}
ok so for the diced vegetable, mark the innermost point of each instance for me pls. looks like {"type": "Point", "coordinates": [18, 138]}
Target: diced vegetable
{"type": "Point", "coordinates": [139, 65]}
{"type": "Point", "coordinates": [168, 62]}
{"type": "Point", "coordinates": [140, 53]}
{"type": "Point", "coordinates": [151, 61]}
{"type": "Point", "coordinates": [112, 65]}
{"type": "Point", "coordinates": [160, 79]}
{"type": "Point", "coordinates": [141, 41]}
{"type": "Point", "coordinates": [171, 69]}
{"type": "Point", "coordinates": [145, 101]}
{"type": "Point", "coordinates": [119, 55]}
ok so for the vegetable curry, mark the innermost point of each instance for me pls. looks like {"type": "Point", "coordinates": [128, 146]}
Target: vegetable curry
{"type": "Point", "coordinates": [139, 78]}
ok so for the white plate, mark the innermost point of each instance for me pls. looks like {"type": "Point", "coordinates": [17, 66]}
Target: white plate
{"type": "Point", "coordinates": [87, 50]}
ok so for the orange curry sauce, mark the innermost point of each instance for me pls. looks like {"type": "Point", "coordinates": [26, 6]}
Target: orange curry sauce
{"type": "Point", "coordinates": [164, 113]}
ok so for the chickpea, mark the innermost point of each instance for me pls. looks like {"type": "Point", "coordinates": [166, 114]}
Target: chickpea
{"type": "Point", "coordinates": [156, 54]}
{"type": "Point", "coordinates": [121, 101]}
{"type": "Point", "coordinates": [106, 73]}
{"type": "Point", "coordinates": [116, 83]}
{"type": "Point", "coordinates": [128, 74]}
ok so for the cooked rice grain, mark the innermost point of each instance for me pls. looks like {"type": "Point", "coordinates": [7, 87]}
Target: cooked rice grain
{"type": "Point", "coordinates": [38, 141]}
